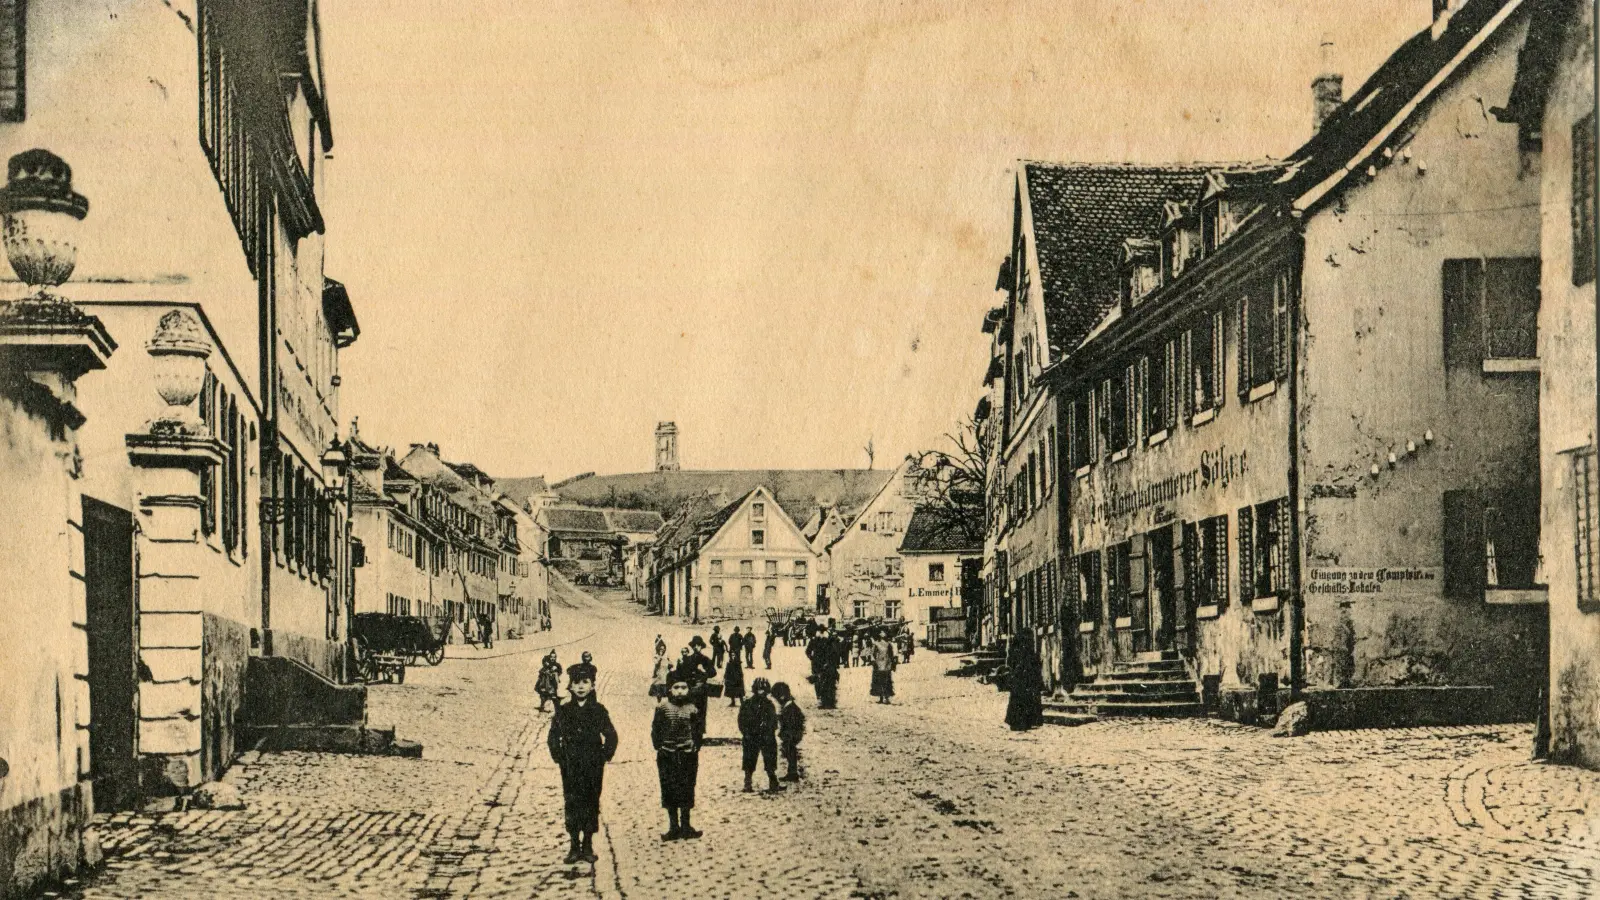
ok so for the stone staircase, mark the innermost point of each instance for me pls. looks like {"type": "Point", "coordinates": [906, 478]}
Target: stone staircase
{"type": "Point", "coordinates": [1155, 685]}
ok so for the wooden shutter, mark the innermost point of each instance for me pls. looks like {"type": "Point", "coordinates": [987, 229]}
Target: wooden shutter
{"type": "Point", "coordinates": [1247, 562]}
{"type": "Point", "coordinates": [1219, 547]}
{"type": "Point", "coordinates": [1185, 374]}
{"type": "Point", "coordinates": [1182, 541]}
{"type": "Point", "coordinates": [1463, 545]}
{"type": "Point", "coordinates": [1147, 416]}
{"type": "Point", "coordinates": [1463, 312]}
{"type": "Point", "coordinates": [1243, 341]}
{"type": "Point", "coordinates": [1282, 328]}
{"type": "Point", "coordinates": [1280, 576]}
{"type": "Point", "coordinates": [1219, 346]}
{"type": "Point", "coordinates": [1583, 190]}
{"type": "Point", "coordinates": [1138, 582]}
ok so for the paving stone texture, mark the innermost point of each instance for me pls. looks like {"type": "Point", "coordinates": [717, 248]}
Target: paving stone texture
{"type": "Point", "coordinates": [928, 797]}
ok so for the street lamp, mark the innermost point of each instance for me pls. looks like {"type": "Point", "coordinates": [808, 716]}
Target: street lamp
{"type": "Point", "coordinates": [40, 214]}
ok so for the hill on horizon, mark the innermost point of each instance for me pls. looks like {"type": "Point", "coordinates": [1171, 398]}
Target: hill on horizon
{"type": "Point", "coordinates": [798, 491]}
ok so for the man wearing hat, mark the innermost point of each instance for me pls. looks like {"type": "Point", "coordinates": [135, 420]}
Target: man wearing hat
{"type": "Point", "coordinates": [695, 670]}
{"type": "Point", "coordinates": [824, 653]}
{"type": "Point", "coordinates": [582, 740]}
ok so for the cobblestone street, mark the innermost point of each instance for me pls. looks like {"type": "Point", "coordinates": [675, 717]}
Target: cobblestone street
{"type": "Point", "coordinates": [928, 797]}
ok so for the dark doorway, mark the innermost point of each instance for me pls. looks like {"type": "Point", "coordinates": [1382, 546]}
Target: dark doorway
{"type": "Point", "coordinates": [113, 638]}
{"type": "Point", "coordinates": [1162, 586]}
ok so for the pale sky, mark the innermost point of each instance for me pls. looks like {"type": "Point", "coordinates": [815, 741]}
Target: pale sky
{"type": "Point", "coordinates": [776, 223]}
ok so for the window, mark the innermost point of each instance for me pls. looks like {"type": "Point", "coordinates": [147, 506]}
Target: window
{"type": "Point", "coordinates": [1205, 561]}
{"type": "Point", "coordinates": [746, 594]}
{"type": "Point", "coordinates": [1119, 571]}
{"type": "Point", "coordinates": [891, 609]}
{"type": "Point", "coordinates": [758, 512]}
{"type": "Point", "coordinates": [747, 567]}
{"type": "Point", "coordinates": [1263, 550]}
{"type": "Point", "coordinates": [1491, 310]}
{"type": "Point", "coordinates": [800, 568]}
{"type": "Point", "coordinates": [1263, 335]}
{"type": "Point", "coordinates": [716, 594]}
{"type": "Point", "coordinates": [771, 567]}
{"type": "Point", "coordinates": [1116, 431]}
{"type": "Point", "coordinates": [862, 608]}
{"type": "Point", "coordinates": [1079, 438]}
{"type": "Point", "coordinates": [716, 567]}
{"type": "Point", "coordinates": [800, 595]}
{"type": "Point", "coordinates": [769, 595]}
{"type": "Point", "coordinates": [935, 571]}
{"type": "Point", "coordinates": [1583, 186]}
{"type": "Point", "coordinates": [893, 567]}
{"type": "Point", "coordinates": [758, 537]}
{"type": "Point", "coordinates": [1155, 370]}
{"type": "Point", "coordinates": [1204, 341]}
{"type": "Point", "coordinates": [1088, 566]}
{"type": "Point", "coordinates": [1491, 540]}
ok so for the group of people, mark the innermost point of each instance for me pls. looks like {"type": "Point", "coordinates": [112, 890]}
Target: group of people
{"type": "Point", "coordinates": [828, 651]}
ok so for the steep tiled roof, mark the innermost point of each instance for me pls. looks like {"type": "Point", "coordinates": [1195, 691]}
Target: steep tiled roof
{"type": "Point", "coordinates": [1081, 215]}
{"type": "Point", "coordinates": [634, 521]}
{"type": "Point", "coordinates": [940, 529]}
{"type": "Point", "coordinates": [1373, 105]}
{"type": "Point", "coordinates": [568, 518]}
{"type": "Point", "coordinates": [521, 490]}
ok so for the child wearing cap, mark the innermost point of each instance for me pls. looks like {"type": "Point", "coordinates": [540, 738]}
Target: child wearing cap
{"type": "Point", "coordinates": [758, 729]}
{"type": "Point", "coordinates": [582, 740]}
{"type": "Point", "coordinates": [675, 734]}
{"type": "Point", "coordinates": [791, 728]}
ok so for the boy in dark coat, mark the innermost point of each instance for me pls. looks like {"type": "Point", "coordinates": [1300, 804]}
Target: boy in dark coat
{"type": "Point", "coordinates": [758, 728]}
{"type": "Point", "coordinates": [582, 740]}
{"type": "Point", "coordinates": [766, 648]}
{"type": "Point", "coordinates": [696, 670]}
{"type": "Point", "coordinates": [791, 728]}
{"type": "Point", "coordinates": [719, 647]}
{"type": "Point", "coordinates": [675, 734]}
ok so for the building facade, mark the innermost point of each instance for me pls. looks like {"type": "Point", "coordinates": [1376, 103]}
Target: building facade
{"type": "Point", "coordinates": [866, 573]}
{"type": "Point", "coordinates": [1552, 102]}
{"type": "Point", "coordinates": [734, 561]}
{"type": "Point", "coordinates": [943, 553]}
{"type": "Point", "coordinates": [1301, 444]}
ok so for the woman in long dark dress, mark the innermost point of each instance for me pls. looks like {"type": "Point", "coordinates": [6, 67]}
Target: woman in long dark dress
{"type": "Point", "coordinates": [733, 677]}
{"type": "Point", "coordinates": [1025, 709]}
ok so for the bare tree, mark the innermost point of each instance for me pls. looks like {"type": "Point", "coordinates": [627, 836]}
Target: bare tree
{"type": "Point", "coordinates": [871, 453]}
{"type": "Point", "coordinates": [951, 480]}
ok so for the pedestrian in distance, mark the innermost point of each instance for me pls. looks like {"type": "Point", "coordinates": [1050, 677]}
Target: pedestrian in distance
{"type": "Point", "coordinates": [758, 733]}
{"type": "Point", "coordinates": [719, 647]}
{"type": "Point", "coordinates": [750, 647]}
{"type": "Point", "coordinates": [881, 656]}
{"type": "Point", "coordinates": [907, 644]}
{"type": "Point", "coordinates": [1025, 706]}
{"type": "Point", "coordinates": [736, 644]}
{"type": "Point", "coordinates": [485, 631]}
{"type": "Point", "coordinates": [791, 728]}
{"type": "Point", "coordinates": [695, 670]}
{"type": "Point", "coordinates": [663, 672]}
{"type": "Point", "coordinates": [548, 685]}
{"type": "Point", "coordinates": [661, 646]}
{"type": "Point", "coordinates": [733, 675]}
{"type": "Point", "coordinates": [823, 651]}
{"type": "Point", "coordinates": [766, 648]}
{"type": "Point", "coordinates": [582, 740]}
{"type": "Point", "coordinates": [676, 735]}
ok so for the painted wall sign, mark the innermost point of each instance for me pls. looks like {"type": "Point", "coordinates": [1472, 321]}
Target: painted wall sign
{"type": "Point", "coordinates": [1216, 469]}
{"type": "Point", "coordinates": [1386, 582]}
{"type": "Point", "coordinates": [934, 592]}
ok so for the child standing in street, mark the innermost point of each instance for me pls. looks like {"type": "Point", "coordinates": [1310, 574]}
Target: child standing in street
{"type": "Point", "coordinates": [582, 740]}
{"type": "Point", "coordinates": [548, 686]}
{"type": "Point", "coordinates": [791, 728]}
{"type": "Point", "coordinates": [675, 734]}
{"type": "Point", "coordinates": [758, 729]}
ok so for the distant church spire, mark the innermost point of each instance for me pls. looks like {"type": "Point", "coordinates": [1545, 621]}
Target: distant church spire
{"type": "Point", "coordinates": [667, 447]}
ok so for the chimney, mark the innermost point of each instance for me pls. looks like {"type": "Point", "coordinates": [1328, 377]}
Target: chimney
{"type": "Point", "coordinates": [1327, 89]}
{"type": "Point", "coordinates": [1442, 11]}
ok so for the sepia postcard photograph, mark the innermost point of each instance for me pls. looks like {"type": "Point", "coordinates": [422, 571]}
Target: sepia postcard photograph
{"type": "Point", "coordinates": [799, 449]}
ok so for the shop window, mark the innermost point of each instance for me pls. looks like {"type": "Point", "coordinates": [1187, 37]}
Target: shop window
{"type": "Point", "coordinates": [1204, 364]}
{"type": "Point", "coordinates": [936, 572]}
{"type": "Point", "coordinates": [1491, 310]}
{"type": "Point", "coordinates": [1491, 540]}
{"type": "Point", "coordinates": [1205, 561]}
{"type": "Point", "coordinates": [1583, 187]}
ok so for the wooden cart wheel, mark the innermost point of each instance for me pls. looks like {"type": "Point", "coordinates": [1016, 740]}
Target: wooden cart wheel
{"type": "Point", "coordinates": [435, 656]}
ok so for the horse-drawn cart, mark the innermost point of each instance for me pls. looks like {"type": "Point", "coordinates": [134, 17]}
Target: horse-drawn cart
{"type": "Point", "coordinates": [385, 644]}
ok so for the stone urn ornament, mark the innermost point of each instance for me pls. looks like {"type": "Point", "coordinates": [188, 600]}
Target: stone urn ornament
{"type": "Point", "coordinates": [179, 349]}
{"type": "Point", "coordinates": [39, 219]}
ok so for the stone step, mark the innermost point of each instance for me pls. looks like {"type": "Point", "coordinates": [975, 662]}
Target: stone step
{"type": "Point", "coordinates": [1151, 709]}
{"type": "Point", "coordinates": [1163, 665]}
{"type": "Point", "coordinates": [1127, 675]}
{"type": "Point", "coordinates": [1147, 689]}
{"type": "Point", "coordinates": [1057, 716]}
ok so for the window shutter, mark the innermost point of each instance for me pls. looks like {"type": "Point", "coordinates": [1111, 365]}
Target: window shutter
{"type": "Point", "coordinates": [1583, 189]}
{"type": "Point", "coordinates": [1219, 547]}
{"type": "Point", "coordinates": [1463, 312]}
{"type": "Point", "coordinates": [1247, 562]}
{"type": "Point", "coordinates": [1463, 545]}
{"type": "Point", "coordinates": [1283, 330]}
{"type": "Point", "coordinates": [1169, 414]}
{"type": "Point", "coordinates": [1146, 417]}
{"type": "Point", "coordinates": [1185, 376]}
{"type": "Point", "coordinates": [1280, 574]}
{"type": "Point", "coordinates": [1243, 342]}
{"type": "Point", "coordinates": [1219, 346]}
